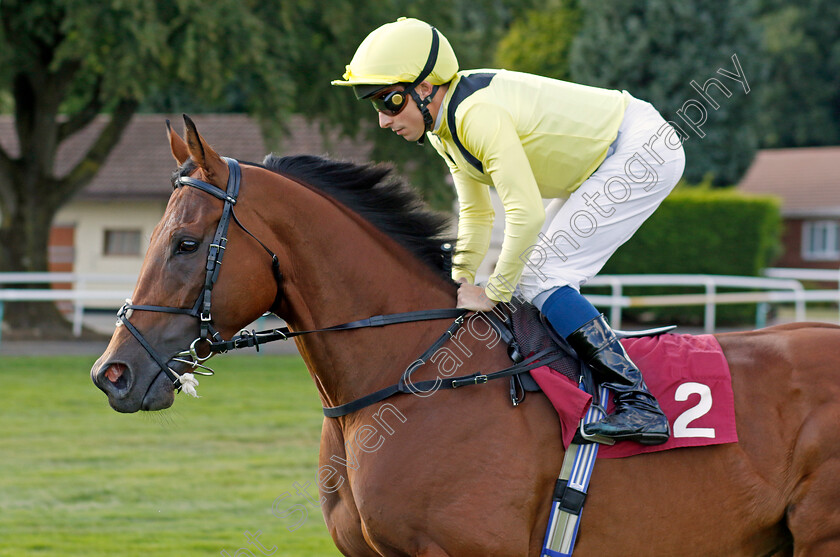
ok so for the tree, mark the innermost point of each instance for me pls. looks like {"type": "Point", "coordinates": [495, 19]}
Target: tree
{"type": "Point", "coordinates": [63, 62]}
{"type": "Point", "coordinates": [66, 61]}
{"type": "Point", "coordinates": [540, 41]}
{"type": "Point", "coordinates": [800, 94]}
{"type": "Point", "coordinates": [656, 48]}
{"type": "Point", "coordinates": [473, 27]}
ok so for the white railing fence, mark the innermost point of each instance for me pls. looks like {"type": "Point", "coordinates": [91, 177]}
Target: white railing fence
{"type": "Point", "coordinates": [759, 290]}
{"type": "Point", "coordinates": [818, 275]}
{"type": "Point", "coordinates": [778, 286]}
{"type": "Point", "coordinates": [85, 288]}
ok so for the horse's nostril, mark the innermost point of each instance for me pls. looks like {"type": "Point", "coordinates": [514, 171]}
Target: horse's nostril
{"type": "Point", "coordinates": [115, 373]}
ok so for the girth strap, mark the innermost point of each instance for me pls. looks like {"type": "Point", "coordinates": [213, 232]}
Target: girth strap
{"type": "Point", "coordinates": [570, 491]}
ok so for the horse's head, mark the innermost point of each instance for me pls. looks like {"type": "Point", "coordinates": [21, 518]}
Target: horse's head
{"type": "Point", "coordinates": [184, 297]}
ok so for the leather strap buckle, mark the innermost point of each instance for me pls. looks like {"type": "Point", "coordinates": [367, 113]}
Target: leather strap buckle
{"type": "Point", "coordinates": [474, 380]}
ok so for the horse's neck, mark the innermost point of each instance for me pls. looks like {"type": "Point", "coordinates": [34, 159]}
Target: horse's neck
{"type": "Point", "coordinates": [345, 270]}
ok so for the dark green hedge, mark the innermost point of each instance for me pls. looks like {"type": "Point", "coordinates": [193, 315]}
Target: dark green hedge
{"type": "Point", "coordinates": [697, 230]}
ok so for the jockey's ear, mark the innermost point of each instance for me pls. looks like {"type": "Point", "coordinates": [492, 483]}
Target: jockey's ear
{"type": "Point", "coordinates": [177, 145]}
{"type": "Point", "coordinates": [215, 169]}
{"type": "Point", "coordinates": [424, 89]}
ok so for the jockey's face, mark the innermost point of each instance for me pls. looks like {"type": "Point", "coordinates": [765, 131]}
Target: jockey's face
{"type": "Point", "coordinates": [409, 124]}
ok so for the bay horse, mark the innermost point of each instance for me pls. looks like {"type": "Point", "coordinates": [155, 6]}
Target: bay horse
{"type": "Point", "coordinates": [460, 472]}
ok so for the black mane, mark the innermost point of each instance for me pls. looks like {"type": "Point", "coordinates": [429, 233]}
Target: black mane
{"type": "Point", "coordinates": [373, 192]}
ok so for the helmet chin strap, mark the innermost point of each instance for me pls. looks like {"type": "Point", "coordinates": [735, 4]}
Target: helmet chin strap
{"type": "Point", "coordinates": [423, 104]}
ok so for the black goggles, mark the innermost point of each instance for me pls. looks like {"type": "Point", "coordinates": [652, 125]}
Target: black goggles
{"type": "Point", "coordinates": [390, 102]}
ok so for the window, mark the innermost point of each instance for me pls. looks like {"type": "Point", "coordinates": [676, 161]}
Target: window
{"type": "Point", "coordinates": [122, 242]}
{"type": "Point", "coordinates": [821, 240]}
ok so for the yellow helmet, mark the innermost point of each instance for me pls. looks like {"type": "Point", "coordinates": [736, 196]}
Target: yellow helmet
{"type": "Point", "coordinates": [401, 52]}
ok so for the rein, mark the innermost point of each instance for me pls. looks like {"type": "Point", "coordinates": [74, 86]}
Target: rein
{"type": "Point", "coordinates": [215, 344]}
{"type": "Point", "coordinates": [254, 339]}
{"type": "Point", "coordinates": [201, 308]}
{"type": "Point", "coordinates": [246, 339]}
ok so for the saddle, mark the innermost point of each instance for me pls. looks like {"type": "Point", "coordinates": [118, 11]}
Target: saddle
{"type": "Point", "coordinates": [526, 331]}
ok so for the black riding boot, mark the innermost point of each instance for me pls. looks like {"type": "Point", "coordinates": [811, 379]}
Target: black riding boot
{"type": "Point", "coordinates": [637, 415]}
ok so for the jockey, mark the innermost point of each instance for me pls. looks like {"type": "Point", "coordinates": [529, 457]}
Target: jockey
{"type": "Point", "coordinates": [604, 158]}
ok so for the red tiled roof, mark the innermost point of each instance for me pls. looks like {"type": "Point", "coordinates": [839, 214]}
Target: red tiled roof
{"type": "Point", "coordinates": [807, 179]}
{"type": "Point", "coordinates": [141, 163]}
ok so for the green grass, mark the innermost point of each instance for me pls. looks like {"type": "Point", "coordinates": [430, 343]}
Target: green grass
{"type": "Point", "coordinates": [79, 479]}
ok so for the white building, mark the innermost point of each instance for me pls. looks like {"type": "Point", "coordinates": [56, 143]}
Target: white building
{"type": "Point", "coordinates": [106, 228]}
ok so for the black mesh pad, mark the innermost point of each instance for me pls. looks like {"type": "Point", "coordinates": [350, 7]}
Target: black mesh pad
{"type": "Point", "coordinates": [532, 335]}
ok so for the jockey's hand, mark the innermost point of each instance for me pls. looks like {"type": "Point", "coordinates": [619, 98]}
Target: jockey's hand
{"type": "Point", "coordinates": [473, 297]}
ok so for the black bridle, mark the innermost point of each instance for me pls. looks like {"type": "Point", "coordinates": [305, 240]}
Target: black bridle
{"type": "Point", "coordinates": [201, 308]}
{"type": "Point", "coordinates": [215, 344]}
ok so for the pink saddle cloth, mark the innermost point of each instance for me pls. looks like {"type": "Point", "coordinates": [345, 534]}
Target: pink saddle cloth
{"type": "Point", "coordinates": [687, 374]}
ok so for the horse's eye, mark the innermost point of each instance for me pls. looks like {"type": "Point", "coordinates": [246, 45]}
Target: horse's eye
{"type": "Point", "coordinates": [187, 246]}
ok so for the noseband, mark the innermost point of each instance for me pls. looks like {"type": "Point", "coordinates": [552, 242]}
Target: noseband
{"type": "Point", "coordinates": [201, 308]}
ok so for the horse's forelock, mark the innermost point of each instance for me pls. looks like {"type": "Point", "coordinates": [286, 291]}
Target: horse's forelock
{"type": "Point", "coordinates": [184, 170]}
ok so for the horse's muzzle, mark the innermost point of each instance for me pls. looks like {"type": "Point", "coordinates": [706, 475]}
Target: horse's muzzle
{"type": "Point", "coordinates": [115, 379]}
{"type": "Point", "coordinates": [119, 382]}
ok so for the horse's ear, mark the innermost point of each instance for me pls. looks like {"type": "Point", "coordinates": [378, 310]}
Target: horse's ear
{"type": "Point", "coordinates": [204, 156]}
{"type": "Point", "coordinates": [178, 145]}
